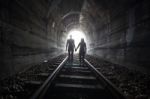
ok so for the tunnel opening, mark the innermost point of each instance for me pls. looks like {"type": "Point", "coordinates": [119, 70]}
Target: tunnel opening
{"type": "Point", "coordinates": [76, 35]}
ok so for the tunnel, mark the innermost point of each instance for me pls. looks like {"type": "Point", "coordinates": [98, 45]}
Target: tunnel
{"type": "Point", "coordinates": [36, 31]}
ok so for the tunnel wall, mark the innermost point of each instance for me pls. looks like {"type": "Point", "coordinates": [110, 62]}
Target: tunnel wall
{"type": "Point", "coordinates": [123, 38]}
{"type": "Point", "coordinates": [25, 38]}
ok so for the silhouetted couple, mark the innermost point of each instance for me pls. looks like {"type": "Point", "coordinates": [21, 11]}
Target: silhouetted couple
{"type": "Point", "coordinates": [70, 45]}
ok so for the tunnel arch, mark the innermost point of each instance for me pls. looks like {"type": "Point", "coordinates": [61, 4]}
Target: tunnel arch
{"type": "Point", "coordinates": [69, 14]}
{"type": "Point", "coordinates": [72, 16]}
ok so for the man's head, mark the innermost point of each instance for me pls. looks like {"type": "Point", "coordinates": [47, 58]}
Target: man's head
{"type": "Point", "coordinates": [70, 36]}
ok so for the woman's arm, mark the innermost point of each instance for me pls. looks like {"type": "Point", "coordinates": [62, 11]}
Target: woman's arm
{"type": "Point", "coordinates": [77, 47]}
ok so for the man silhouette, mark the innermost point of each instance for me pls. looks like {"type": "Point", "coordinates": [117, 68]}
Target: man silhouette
{"type": "Point", "coordinates": [82, 50]}
{"type": "Point", "coordinates": [70, 46]}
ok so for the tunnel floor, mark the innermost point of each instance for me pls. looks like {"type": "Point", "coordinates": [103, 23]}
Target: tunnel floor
{"type": "Point", "coordinates": [134, 84]}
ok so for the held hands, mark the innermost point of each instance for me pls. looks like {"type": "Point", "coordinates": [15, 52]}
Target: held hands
{"type": "Point", "coordinates": [75, 49]}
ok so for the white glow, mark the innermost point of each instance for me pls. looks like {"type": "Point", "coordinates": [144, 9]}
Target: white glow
{"type": "Point", "coordinates": [76, 35]}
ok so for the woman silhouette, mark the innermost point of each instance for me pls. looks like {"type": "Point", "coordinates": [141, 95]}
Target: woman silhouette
{"type": "Point", "coordinates": [82, 50]}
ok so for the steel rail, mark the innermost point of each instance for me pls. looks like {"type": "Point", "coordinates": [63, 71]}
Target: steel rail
{"type": "Point", "coordinates": [44, 87]}
{"type": "Point", "coordinates": [108, 85]}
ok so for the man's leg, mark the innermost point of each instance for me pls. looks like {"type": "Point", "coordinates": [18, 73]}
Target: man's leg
{"type": "Point", "coordinates": [69, 54]}
{"type": "Point", "coordinates": [80, 57]}
{"type": "Point", "coordinates": [72, 54]}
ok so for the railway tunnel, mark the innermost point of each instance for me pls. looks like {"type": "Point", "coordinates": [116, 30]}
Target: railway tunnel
{"type": "Point", "coordinates": [36, 31]}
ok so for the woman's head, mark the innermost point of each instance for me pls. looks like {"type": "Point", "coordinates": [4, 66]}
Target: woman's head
{"type": "Point", "coordinates": [82, 39]}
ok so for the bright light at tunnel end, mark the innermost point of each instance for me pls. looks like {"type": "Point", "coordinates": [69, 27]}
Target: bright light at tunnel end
{"type": "Point", "coordinates": [77, 35]}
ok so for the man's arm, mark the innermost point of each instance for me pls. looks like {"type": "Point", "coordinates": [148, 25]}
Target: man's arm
{"type": "Point", "coordinates": [66, 45]}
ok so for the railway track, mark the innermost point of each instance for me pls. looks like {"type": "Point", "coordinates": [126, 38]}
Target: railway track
{"type": "Point", "coordinates": [72, 80]}
{"type": "Point", "coordinates": [24, 84]}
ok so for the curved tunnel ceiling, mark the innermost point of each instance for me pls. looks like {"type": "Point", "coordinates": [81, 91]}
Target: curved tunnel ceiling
{"type": "Point", "coordinates": [86, 15]}
{"type": "Point", "coordinates": [70, 14]}
{"type": "Point", "coordinates": [70, 19]}
{"type": "Point", "coordinates": [91, 17]}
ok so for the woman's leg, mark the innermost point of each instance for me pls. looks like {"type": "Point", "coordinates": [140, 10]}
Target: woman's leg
{"type": "Point", "coordinates": [80, 56]}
